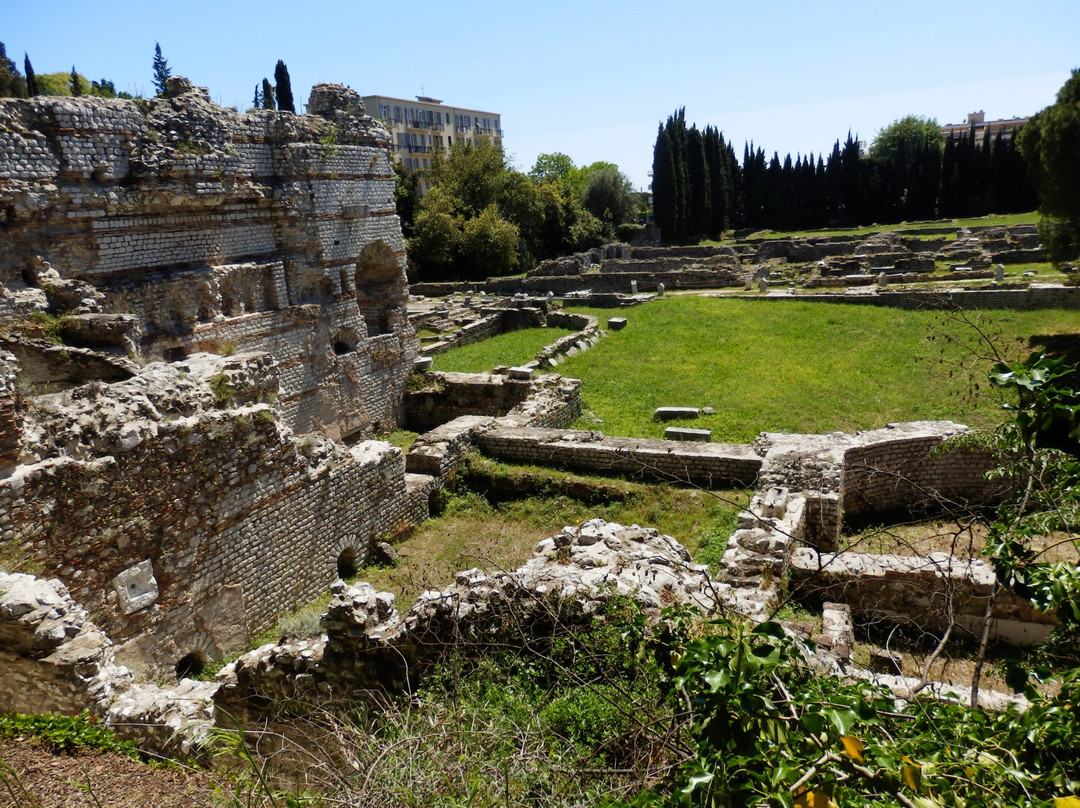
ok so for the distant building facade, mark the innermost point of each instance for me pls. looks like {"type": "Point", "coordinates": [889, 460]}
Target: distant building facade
{"type": "Point", "coordinates": [977, 121]}
{"type": "Point", "coordinates": [419, 127]}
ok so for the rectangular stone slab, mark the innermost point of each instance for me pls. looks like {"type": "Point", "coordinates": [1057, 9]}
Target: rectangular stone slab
{"type": "Point", "coordinates": [682, 433]}
{"type": "Point", "coordinates": [672, 413]}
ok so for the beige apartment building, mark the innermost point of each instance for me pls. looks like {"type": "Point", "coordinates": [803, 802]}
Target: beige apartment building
{"type": "Point", "coordinates": [419, 127]}
{"type": "Point", "coordinates": [977, 120]}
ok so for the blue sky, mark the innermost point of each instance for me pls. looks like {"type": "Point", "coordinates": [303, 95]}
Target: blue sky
{"type": "Point", "coordinates": [593, 79]}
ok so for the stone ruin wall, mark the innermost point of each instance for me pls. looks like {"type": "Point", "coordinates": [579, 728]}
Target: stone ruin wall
{"type": "Point", "coordinates": [163, 229]}
{"type": "Point", "coordinates": [187, 534]}
{"type": "Point", "coordinates": [220, 232]}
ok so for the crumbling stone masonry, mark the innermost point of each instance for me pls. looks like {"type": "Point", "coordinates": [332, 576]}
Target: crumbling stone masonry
{"type": "Point", "coordinates": [219, 232]}
{"type": "Point", "coordinates": [185, 528]}
{"type": "Point", "coordinates": [260, 256]}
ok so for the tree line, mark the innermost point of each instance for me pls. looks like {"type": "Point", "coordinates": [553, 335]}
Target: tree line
{"type": "Point", "coordinates": [480, 217]}
{"type": "Point", "coordinates": [910, 172]}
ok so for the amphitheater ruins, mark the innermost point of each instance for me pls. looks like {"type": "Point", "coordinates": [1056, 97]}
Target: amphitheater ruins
{"type": "Point", "coordinates": [204, 335]}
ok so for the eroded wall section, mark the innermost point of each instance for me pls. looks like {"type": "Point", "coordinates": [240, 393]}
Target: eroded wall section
{"type": "Point", "coordinates": [221, 232]}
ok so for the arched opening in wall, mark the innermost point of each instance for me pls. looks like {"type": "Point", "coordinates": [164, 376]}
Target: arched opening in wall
{"type": "Point", "coordinates": [380, 286]}
{"type": "Point", "coordinates": [190, 665]}
{"type": "Point", "coordinates": [345, 341]}
{"type": "Point", "coordinates": [347, 566]}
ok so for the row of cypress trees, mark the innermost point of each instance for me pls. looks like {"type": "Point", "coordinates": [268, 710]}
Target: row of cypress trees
{"type": "Point", "coordinates": [699, 188]}
{"type": "Point", "coordinates": [694, 180]}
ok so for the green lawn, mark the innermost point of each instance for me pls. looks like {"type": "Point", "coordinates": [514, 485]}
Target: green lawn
{"type": "Point", "coordinates": [999, 219]}
{"type": "Point", "coordinates": [793, 366]}
{"type": "Point", "coordinates": [511, 348]}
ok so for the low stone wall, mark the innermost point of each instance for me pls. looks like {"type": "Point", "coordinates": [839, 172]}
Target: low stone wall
{"type": "Point", "coordinates": [56, 660]}
{"type": "Point", "coordinates": [918, 591]}
{"type": "Point", "coordinates": [453, 395]}
{"type": "Point", "coordinates": [1031, 299]}
{"type": "Point", "coordinates": [707, 464]}
{"type": "Point", "coordinates": [188, 528]}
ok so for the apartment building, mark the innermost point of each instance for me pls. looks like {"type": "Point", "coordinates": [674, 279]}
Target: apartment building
{"type": "Point", "coordinates": [977, 120]}
{"type": "Point", "coordinates": [419, 127]}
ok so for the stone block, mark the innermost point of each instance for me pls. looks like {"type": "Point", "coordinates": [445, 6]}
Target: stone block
{"type": "Point", "coordinates": [675, 413]}
{"type": "Point", "coordinates": [682, 433]}
{"type": "Point", "coordinates": [520, 373]}
{"type": "Point", "coordinates": [616, 323]}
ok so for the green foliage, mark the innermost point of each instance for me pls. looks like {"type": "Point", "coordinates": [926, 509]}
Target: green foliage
{"type": "Point", "coordinates": [267, 94]}
{"type": "Point", "coordinates": [283, 88]}
{"type": "Point", "coordinates": [66, 733]}
{"type": "Point", "coordinates": [609, 196]}
{"type": "Point", "coordinates": [12, 82]}
{"type": "Point", "coordinates": [1051, 145]}
{"type": "Point", "coordinates": [31, 78]}
{"type": "Point", "coordinates": [489, 244]}
{"type": "Point", "coordinates": [161, 68]}
{"type": "Point", "coordinates": [222, 390]}
{"type": "Point", "coordinates": [406, 196]}
{"type": "Point", "coordinates": [766, 728]}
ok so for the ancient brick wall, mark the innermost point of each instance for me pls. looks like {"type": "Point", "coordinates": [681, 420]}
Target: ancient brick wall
{"type": "Point", "coordinates": [237, 520]}
{"type": "Point", "coordinates": [220, 231]}
{"type": "Point", "coordinates": [709, 464]}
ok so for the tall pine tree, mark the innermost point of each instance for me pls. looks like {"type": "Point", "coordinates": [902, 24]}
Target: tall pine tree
{"type": "Point", "coordinates": [664, 184]}
{"type": "Point", "coordinates": [267, 94]}
{"type": "Point", "coordinates": [162, 70]}
{"type": "Point", "coordinates": [283, 88]}
{"type": "Point", "coordinates": [31, 77]}
{"type": "Point", "coordinates": [76, 84]}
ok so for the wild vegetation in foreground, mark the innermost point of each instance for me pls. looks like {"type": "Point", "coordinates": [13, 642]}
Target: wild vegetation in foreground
{"type": "Point", "coordinates": [520, 505]}
{"type": "Point", "coordinates": [795, 366]}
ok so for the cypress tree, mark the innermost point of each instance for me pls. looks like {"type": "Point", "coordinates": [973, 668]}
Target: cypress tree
{"type": "Point", "coordinates": [665, 192]}
{"type": "Point", "coordinates": [161, 70]}
{"type": "Point", "coordinates": [267, 94]}
{"type": "Point", "coordinates": [31, 78]}
{"type": "Point", "coordinates": [283, 88]}
{"type": "Point", "coordinates": [258, 100]}
{"type": "Point", "coordinates": [76, 85]}
{"type": "Point", "coordinates": [699, 208]}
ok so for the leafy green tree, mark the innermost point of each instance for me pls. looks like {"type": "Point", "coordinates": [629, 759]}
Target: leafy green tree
{"type": "Point", "coordinates": [1050, 143]}
{"type": "Point", "coordinates": [267, 94]}
{"type": "Point", "coordinates": [283, 88]}
{"type": "Point", "coordinates": [12, 83]}
{"type": "Point", "coordinates": [553, 167]}
{"type": "Point", "coordinates": [609, 196]}
{"type": "Point", "coordinates": [162, 70]}
{"type": "Point", "coordinates": [435, 245]}
{"type": "Point", "coordinates": [489, 244]}
{"type": "Point", "coordinates": [406, 195]}
{"type": "Point", "coordinates": [31, 79]}
{"type": "Point", "coordinates": [103, 89]}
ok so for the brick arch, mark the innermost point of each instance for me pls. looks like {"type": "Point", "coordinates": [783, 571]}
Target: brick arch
{"type": "Point", "coordinates": [380, 287]}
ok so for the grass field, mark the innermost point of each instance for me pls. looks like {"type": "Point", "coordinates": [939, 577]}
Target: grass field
{"type": "Point", "coordinates": [511, 348]}
{"type": "Point", "coordinates": [474, 531]}
{"type": "Point", "coordinates": [1004, 219]}
{"type": "Point", "coordinates": [794, 366]}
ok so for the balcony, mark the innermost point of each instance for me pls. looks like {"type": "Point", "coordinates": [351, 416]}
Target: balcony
{"type": "Point", "coordinates": [419, 149]}
{"type": "Point", "coordinates": [483, 130]}
{"type": "Point", "coordinates": [438, 127]}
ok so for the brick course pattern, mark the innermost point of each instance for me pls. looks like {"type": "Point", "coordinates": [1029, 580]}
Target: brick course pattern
{"type": "Point", "coordinates": [216, 229]}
